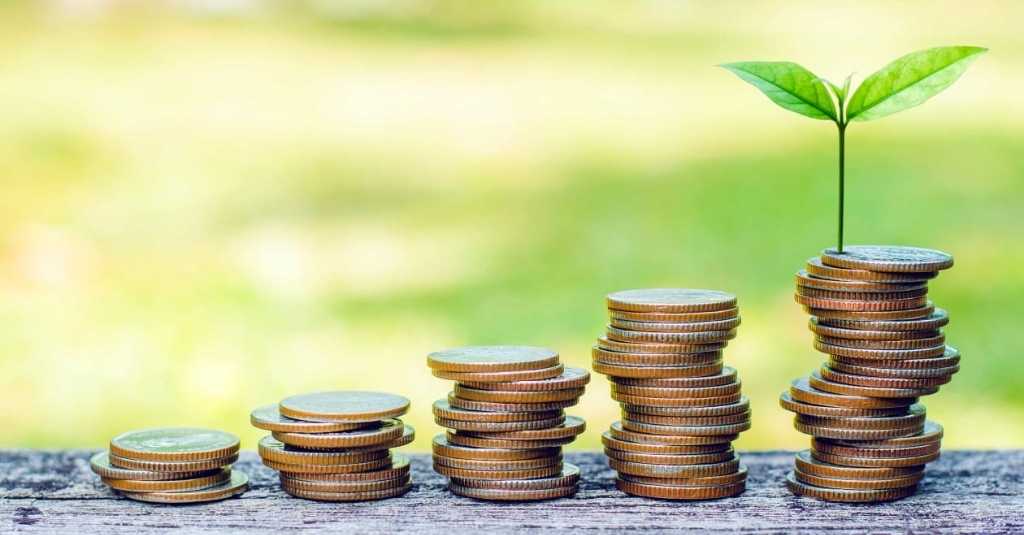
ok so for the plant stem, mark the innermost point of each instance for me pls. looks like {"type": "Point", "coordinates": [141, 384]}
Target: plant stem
{"type": "Point", "coordinates": [842, 180]}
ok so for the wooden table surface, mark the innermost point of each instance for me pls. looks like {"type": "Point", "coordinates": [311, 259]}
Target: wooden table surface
{"type": "Point", "coordinates": [964, 492]}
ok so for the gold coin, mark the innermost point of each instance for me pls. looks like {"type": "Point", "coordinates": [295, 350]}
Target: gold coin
{"type": "Point", "coordinates": [679, 493]}
{"type": "Point", "coordinates": [238, 484]}
{"type": "Point", "coordinates": [100, 464]}
{"type": "Point", "coordinates": [570, 378]}
{"type": "Point", "coordinates": [274, 450]}
{"type": "Point", "coordinates": [443, 409]}
{"type": "Point", "coordinates": [511, 396]}
{"type": "Point", "coordinates": [673, 300]}
{"type": "Point", "coordinates": [501, 377]}
{"type": "Point", "coordinates": [657, 372]}
{"type": "Point", "coordinates": [847, 495]}
{"type": "Point", "coordinates": [177, 485]}
{"type": "Point", "coordinates": [569, 477]}
{"type": "Point", "coordinates": [685, 327]}
{"type": "Point", "coordinates": [174, 444]}
{"type": "Point", "coordinates": [388, 431]}
{"type": "Point", "coordinates": [486, 359]}
{"type": "Point", "coordinates": [270, 419]}
{"type": "Point", "coordinates": [505, 495]}
{"type": "Point", "coordinates": [172, 466]}
{"type": "Point", "coordinates": [348, 496]}
{"type": "Point", "coordinates": [344, 406]}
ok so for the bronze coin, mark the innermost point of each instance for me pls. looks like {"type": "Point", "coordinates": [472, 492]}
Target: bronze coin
{"type": "Point", "coordinates": [835, 376]}
{"type": "Point", "coordinates": [657, 392]}
{"type": "Point", "coordinates": [654, 359]}
{"type": "Point", "coordinates": [442, 409]}
{"type": "Point", "coordinates": [803, 391]}
{"type": "Point", "coordinates": [738, 476]}
{"type": "Point", "coordinates": [677, 317]}
{"type": "Point", "coordinates": [388, 431]}
{"type": "Point", "coordinates": [348, 496]}
{"type": "Point", "coordinates": [512, 396]}
{"type": "Point", "coordinates": [238, 484]}
{"type": "Point", "coordinates": [269, 418]}
{"type": "Point", "coordinates": [572, 427]}
{"type": "Point", "coordinates": [833, 447]}
{"type": "Point", "coordinates": [816, 268]}
{"type": "Point", "coordinates": [858, 484]}
{"type": "Point", "coordinates": [872, 315]}
{"type": "Point", "coordinates": [726, 376]}
{"type": "Point", "coordinates": [895, 373]}
{"type": "Point", "coordinates": [686, 420]}
{"type": "Point", "coordinates": [855, 434]}
{"type": "Point", "coordinates": [679, 493]}
{"type": "Point", "coordinates": [569, 378]}
{"type": "Point", "coordinates": [398, 467]}
{"type": "Point", "coordinates": [519, 464]}
{"type": "Point", "coordinates": [932, 433]}
{"type": "Point", "coordinates": [875, 462]}
{"type": "Point", "coordinates": [485, 359]}
{"type": "Point", "coordinates": [847, 495]}
{"type": "Point", "coordinates": [526, 473]}
{"type": "Point", "coordinates": [743, 405]}
{"type": "Point", "coordinates": [712, 401]}
{"type": "Point", "coordinates": [492, 427]}
{"type": "Point", "coordinates": [569, 477]}
{"type": "Point", "coordinates": [171, 466]}
{"type": "Point", "coordinates": [919, 343]}
{"type": "Point", "coordinates": [487, 406]}
{"type": "Point", "coordinates": [938, 319]}
{"type": "Point", "coordinates": [672, 300]}
{"type": "Point", "coordinates": [805, 279]}
{"type": "Point", "coordinates": [861, 306]}
{"type": "Point", "coordinates": [177, 485]}
{"type": "Point", "coordinates": [100, 464]}
{"type": "Point", "coordinates": [443, 447]}
{"type": "Point", "coordinates": [343, 406]}
{"type": "Point", "coordinates": [656, 347]}
{"type": "Point", "coordinates": [888, 258]}
{"type": "Point", "coordinates": [687, 327]}
{"type": "Point", "coordinates": [675, 459]}
{"type": "Point", "coordinates": [289, 483]}
{"type": "Point", "coordinates": [622, 335]}
{"type": "Point", "coordinates": [617, 431]}
{"type": "Point", "coordinates": [506, 495]}
{"type": "Point", "coordinates": [915, 416]}
{"type": "Point", "coordinates": [346, 468]}
{"type": "Point", "coordinates": [276, 451]}
{"type": "Point", "coordinates": [787, 402]}
{"type": "Point", "coordinates": [949, 357]}
{"type": "Point", "coordinates": [860, 296]}
{"type": "Point", "coordinates": [881, 354]}
{"type": "Point", "coordinates": [463, 439]}
{"type": "Point", "coordinates": [675, 471]}
{"type": "Point", "coordinates": [692, 430]}
{"type": "Point", "coordinates": [664, 449]}
{"type": "Point", "coordinates": [819, 328]}
{"type": "Point", "coordinates": [809, 465]}
{"type": "Point", "coordinates": [658, 372]}
{"type": "Point", "coordinates": [174, 444]}
{"type": "Point", "coordinates": [500, 377]}
{"type": "Point", "coordinates": [818, 383]}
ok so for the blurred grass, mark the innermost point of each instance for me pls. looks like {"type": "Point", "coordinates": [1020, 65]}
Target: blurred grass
{"type": "Point", "coordinates": [207, 210]}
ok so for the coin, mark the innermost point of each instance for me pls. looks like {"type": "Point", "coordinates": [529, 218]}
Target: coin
{"type": "Point", "coordinates": [618, 431]}
{"type": "Point", "coordinates": [816, 268]}
{"type": "Point", "coordinates": [673, 300]}
{"type": "Point", "coordinates": [818, 383]}
{"type": "Point", "coordinates": [738, 476]}
{"type": "Point", "coordinates": [855, 484]}
{"type": "Point", "coordinates": [872, 315]}
{"type": "Point", "coordinates": [909, 373]}
{"type": "Point", "coordinates": [658, 372]}
{"type": "Point", "coordinates": [290, 483]}
{"type": "Point", "coordinates": [861, 306]}
{"type": "Point", "coordinates": [805, 279]}
{"type": "Point", "coordinates": [693, 430]}
{"type": "Point", "coordinates": [511, 396]}
{"type": "Point", "coordinates": [936, 320]}
{"type": "Point", "coordinates": [443, 409]}
{"type": "Point", "coordinates": [654, 359]}
{"type": "Point", "coordinates": [819, 328]}
{"type": "Point", "coordinates": [388, 431]}
{"type": "Point", "coordinates": [832, 447]}
{"type": "Point", "coordinates": [688, 327]}
{"type": "Point", "coordinates": [875, 462]}
{"type": "Point", "coordinates": [726, 376]}
{"type": "Point", "coordinates": [847, 495]}
{"type": "Point", "coordinates": [674, 471]}
{"type": "Point", "coordinates": [676, 317]}
{"type": "Point", "coordinates": [348, 496]}
{"type": "Point", "coordinates": [100, 464]}
{"type": "Point", "coordinates": [530, 473]}
{"type": "Point", "coordinates": [485, 406]}
{"type": "Point", "coordinates": [519, 464]}
{"type": "Point", "coordinates": [483, 441]}
{"type": "Point", "coordinates": [174, 444]}
{"type": "Point", "coordinates": [809, 465]}
{"type": "Point", "coordinates": [511, 495]}
{"type": "Point", "coordinates": [685, 420]}
{"type": "Point", "coordinates": [569, 378]}
{"type": "Point", "coordinates": [172, 466]}
{"type": "Point", "coordinates": [711, 401]}
{"type": "Point", "coordinates": [932, 433]}
{"type": "Point", "coordinates": [274, 450]}
{"type": "Point", "coordinates": [442, 447]}
{"type": "Point", "coordinates": [569, 477]}
{"type": "Point", "coordinates": [670, 458]}
{"type": "Point", "coordinates": [343, 406]}
{"type": "Point", "coordinates": [238, 484]}
{"type": "Point", "coordinates": [623, 335]}
{"type": "Point", "coordinates": [397, 467]}
{"type": "Point", "coordinates": [949, 357]}
{"type": "Point", "coordinates": [643, 447]}
{"type": "Point", "coordinates": [854, 433]}
{"type": "Point", "coordinates": [679, 493]}
{"type": "Point", "coordinates": [801, 390]}
{"type": "Point", "coordinates": [787, 402]}
{"type": "Point", "coordinates": [490, 427]}
{"type": "Point", "coordinates": [836, 376]}
{"type": "Point", "coordinates": [345, 468]}
{"type": "Point", "coordinates": [743, 405]}
{"type": "Point", "coordinates": [573, 426]}
{"type": "Point", "coordinates": [915, 415]}
{"type": "Point", "coordinates": [177, 485]}
{"type": "Point", "coordinates": [501, 377]}
{"type": "Point", "coordinates": [270, 419]}
{"type": "Point", "coordinates": [881, 354]}
{"type": "Point", "coordinates": [932, 343]}
{"type": "Point", "coordinates": [860, 296]}
{"type": "Point", "coordinates": [492, 359]}
{"type": "Point", "coordinates": [888, 258]}
{"type": "Point", "coordinates": [658, 392]}
{"type": "Point", "coordinates": [654, 347]}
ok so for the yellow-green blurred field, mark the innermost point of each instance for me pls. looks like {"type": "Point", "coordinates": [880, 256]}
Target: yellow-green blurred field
{"type": "Point", "coordinates": [205, 210]}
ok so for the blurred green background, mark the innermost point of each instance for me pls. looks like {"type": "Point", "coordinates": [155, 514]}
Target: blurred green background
{"type": "Point", "coordinates": [207, 206]}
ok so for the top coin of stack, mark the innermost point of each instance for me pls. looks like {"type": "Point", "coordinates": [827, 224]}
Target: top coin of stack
{"type": "Point", "coordinates": [871, 315]}
{"type": "Point", "coordinates": [172, 465]}
{"type": "Point", "coordinates": [334, 446]}
{"type": "Point", "coordinates": [507, 424]}
{"type": "Point", "coordinates": [681, 408]}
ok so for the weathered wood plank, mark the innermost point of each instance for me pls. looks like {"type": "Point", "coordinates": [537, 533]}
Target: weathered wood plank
{"type": "Point", "coordinates": [965, 492]}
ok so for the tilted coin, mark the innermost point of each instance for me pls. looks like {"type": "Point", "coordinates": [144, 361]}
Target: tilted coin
{"type": "Point", "coordinates": [855, 484]}
{"type": "Point", "coordinates": [693, 430]}
{"type": "Point", "coordinates": [686, 327]}
{"type": "Point", "coordinates": [872, 315]}
{"type": "Point", "coordinates": [100, 464]}
{"type": "Point", "coordinates": [569, 378]}
{"type": "Point", "coordinates": [743, 405]}
{"type": "Point", "coordinates": [172, 466]}
{"type": "Point", "coordinates": [572, 427]}
{"type": "Point", "coordinates": [674, 317]}
{"type": "Point", "coordinates": [513, 396]}
{"type": "Point", "coordinates": [881, 354]}
{"type": "Point", "coordinates": [901, 373]}
{"type": "Point", "coordinates": [711, 401]}
{"type": "Point", "coordinates": [817, 268]}
{"type": "Point", "coordinates": [443, 409]}
{"type": "Point", "coordinates": [657, 347]}
{"type": "Point", "coordinates": [809, 465]}
{"type": "Point", "coordinates": [388, 431]}
{"type": "Point", "coordinates": [674, 471]}
{"type": "Point", "coordinates": [484, 441]}
{"type": "Point", "coordinates": [673, 300]}
{"type": "Point", "coordinates": [801, 390]}
{"type": "Point", "coordinates": [274, 450]}
{"type": "Point", "coordinates": [343, 406]}
{"type": "Point", "coordinates": [501, 377]}
{"type": "Point", "coordinates": [679, 493]}
{"type": "Point", "coordinates": [177, 485]}
{"type": "Point", "coordinates": [915, 415]}
{"type": "Point", "coordinates": [506, 495]}
{"type": "Point", "coordinates": [492, 359]}
{"type": "Point", "coordinates": [726, 376]}
{"type": "Point", "coordinates": [803, 278]}
{"type": "Point", "coordinates": [740, 475]}
{"type": "Point", "coordinates": [932, 433]}
{"type": "Point", "coordinates": [686, 420]}
{"type": "Point", "coordinates": [348, 496]}
{"type": "Point", "coordinates": [670, 458]}
{"type": "Point", "coordinates": [443, 447]}
{"type": "Point", "coordinates": [818, 327]}
{"type": "Point", "coordinates": [643, 447]}
{"type": "Point", "coordinates": [875, 462]}
{"type": "Point", "coordinates": [174, 444]}
{"type": "Point", "coordinates": [238, 484]}
{"type": "Point", "coordinates": [854, 433]}
{"type": "Point", "coordinates": [698, 392]}
{"type": "Point", "coordinates": [397, 468]}
{"type": "Point", "coordinates": [888, 258]}
{"type": "Point", "coordinates": [269, 418]}
{"type": "Point", "coordinates": [936, 341]}
{"type": "Point", "coordinates": [654, 359]}
{"type": "Point", "coordinates": [491, 427]}
{"type": "Point", "coordinates": [847, 495]}
{"type": "Point", "coordinates": [617, 431]}
{"type": "Point", "coordinates": [786, 401]}
{"type": "Point", "coordinates": [818, 383]}
{"type": "Point", "coordinates": [290, 483]}
{"type": "Point", "coordinates": [344, 468]}
{"type": "Point", "coordinates": [950, 357]}
{"type": "Point", "coordinates": [657, 372]}
{"type": "Point", "coordinates": [936, 320]}
{"type": "Point", "coordinates": [860, 306]}
{"type": "Point", "coordinates": [623, 335]}
{"type": "Point", "coordinates": [834, 447]}
{"type": "Point", "coordinates": [520, 464]}
{"type": "Point", "coordinates": [861, 296]}
{"type": "Point", "coordinates": [836, 376]}
{"type": "Point", "coordinates": [487, 406]}
{"type": "Point", "coordinates": [569, 477]}
{"type": "Point", "coordinates": [526, 473]}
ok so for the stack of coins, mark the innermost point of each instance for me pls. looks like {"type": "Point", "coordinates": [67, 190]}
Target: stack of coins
{"type": "Point", "coordinates": [871, 315]}
{"type": "Point", "coordinates": [172, 465]}
{"type": "Point", "coordinates": [335, 446]}
{"type": "Point", "coordinates": [506, 422]}
{"type": "Point", "coordinates": [681, 408]}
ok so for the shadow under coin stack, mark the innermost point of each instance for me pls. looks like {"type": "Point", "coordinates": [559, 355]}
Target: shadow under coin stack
{"type": "Point", "coordinates": [335, 446]}
{"type": "Point", "coordinates": [681, 409]}
{"type": "Point", "coordinates": [172, 465]}
{"type": "Point", "coordinates": [871, 315]}
{"type": "Point", "coordinates": [507, 424]}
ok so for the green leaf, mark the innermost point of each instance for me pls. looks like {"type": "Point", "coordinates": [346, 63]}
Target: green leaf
{"type": "Point", "coordinates": [909, 81]}
{"type": "Point", "coordinates": [789, 85]}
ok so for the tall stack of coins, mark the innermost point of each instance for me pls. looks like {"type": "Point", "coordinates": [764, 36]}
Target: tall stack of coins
{"type": "Point", "coordinates": [681, 408]}
{"type": "Point", "coordinates": [506, 422]}
{"type": "Point", "coordinates": [871, 315]}
{"type": "Point", "coordinates": [335, 446]}
{"type": "Point", "coordinates": [172, 465]}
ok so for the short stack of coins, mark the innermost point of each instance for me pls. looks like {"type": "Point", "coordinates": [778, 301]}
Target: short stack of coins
{"type": "Point", "coordinates": [681, 408]}
{"type": "Point", "coordinates": [335, 446]}
{"type": "Point", "coordinates": [172, 465]}
{"type": "Point", "coordinates": [871, 315]}
{"type": "Point", "coordinates": [506, 422]}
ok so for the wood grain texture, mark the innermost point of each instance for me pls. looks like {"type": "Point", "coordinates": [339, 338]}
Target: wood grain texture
{"type": "Point", "coordinates": [964, 492]}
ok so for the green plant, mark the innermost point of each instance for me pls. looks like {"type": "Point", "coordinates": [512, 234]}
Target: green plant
{"type": "Point", "coordinates": [902, 84]}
